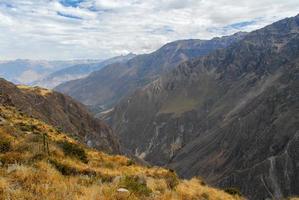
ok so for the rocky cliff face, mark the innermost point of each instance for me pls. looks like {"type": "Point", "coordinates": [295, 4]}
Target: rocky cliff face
{"type": "Point", "coordinates": [60, 111]}
{"type": "Point", "coordinates": [105, 87]}
{"type": "Point", "coordinates": [231, 117]}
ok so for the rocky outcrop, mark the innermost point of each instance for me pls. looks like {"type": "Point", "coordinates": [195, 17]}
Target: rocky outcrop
{"type": "Point", "coordinates": [60, 111]}
{"type": "Point", "coordinates": [231, 116]}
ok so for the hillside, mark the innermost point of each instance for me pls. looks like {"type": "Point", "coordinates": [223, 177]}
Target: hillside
{"type": "Point", "coordinates": [231, 116]}
{"type": "Point", "coordinates": [37, 161]}
{"type": "Point", "coordinates": [104, 88]}
{"type": "Point", "coordinates": [60, 111]}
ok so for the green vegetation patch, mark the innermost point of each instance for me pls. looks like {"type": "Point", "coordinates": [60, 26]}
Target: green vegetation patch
{"type": "Point", "coordinates": [233, 191]}
{"type": "Point", "coordinates": [74, 150]}
{"type": "Point", "coordinates": [136, 185]}
{"type": "Point", "coordinates": [179, 105]}
{"type": "Point", "coordinates": [5, 145]}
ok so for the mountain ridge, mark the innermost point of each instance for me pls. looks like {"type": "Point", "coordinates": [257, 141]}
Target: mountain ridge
{"type": "Point", "coordinates": [78, 71]}
{"type": "Point", "coordinates": [38, 161]}
{"type": "Point", "coordinates": [60, 111]}
{"type": "Point", "coordinates": [223, 113]}
{"type": "Point", "coordinates": [104, 88]}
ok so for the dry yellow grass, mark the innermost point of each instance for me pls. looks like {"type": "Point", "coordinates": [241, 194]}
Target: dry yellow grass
{"type": "Point", "coordinates": [38, 90]}
{"type": "Point", "coordinates": [29, 171]}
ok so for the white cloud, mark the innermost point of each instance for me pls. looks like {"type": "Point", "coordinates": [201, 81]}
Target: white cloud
{"type": "Point", "coordinates": [48, 29]}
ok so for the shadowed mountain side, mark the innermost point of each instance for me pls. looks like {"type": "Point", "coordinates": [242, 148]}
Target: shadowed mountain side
{"type": "Point", "coordinates": [104, 88]}
{"type": "Point", "coordinates": [231, 116]}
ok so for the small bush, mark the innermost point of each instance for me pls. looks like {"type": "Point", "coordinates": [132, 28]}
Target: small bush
{"type": "Point", "coordinates": [59, 129]}
{"type": "Point", "coordinates": [12, 158]}
{"type": "Point", "coordinates": [171, 180]}
{"type": "Point", "coordinates": [201, 181]}
{"type": "Point", "coordinates": [233, 191]}
{"type": "Point", "coordinates": [106, 178]}
{"type": "Point", "coordinates": [27, 127]}
{"type": "Point", "coordinates": [205, 196]}
{"type": "Point", "coordinates": [130, 162]}
{"type": "Point", "coordinates": [74, 150]}
{"type": "Point", "coordinates": [67, 170]}
{"type": "Point", "coordinates": [5, 145]}
{"type": "Point", "coordinates": [135, 185]}
{"type": "Point", "coordinates": [64, 169]}
{"type": "Point", "coordinates": [36, 157]}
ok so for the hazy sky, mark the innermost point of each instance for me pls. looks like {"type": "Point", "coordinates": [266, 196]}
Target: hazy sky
{"type": "Point", "coordinates": [69, 29]}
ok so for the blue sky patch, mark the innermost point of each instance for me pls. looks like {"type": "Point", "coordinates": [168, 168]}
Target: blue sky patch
{"type": "Point", "coordinates": [241, 24]}
{"type": "Point", "coordinates": [71, 3]}
{"type": "Point", "coordinates": [232, 27]}
{"type": "Point", "coordinates": [68, 16]}
{"type": "Point", "coordinates": [6, 5]}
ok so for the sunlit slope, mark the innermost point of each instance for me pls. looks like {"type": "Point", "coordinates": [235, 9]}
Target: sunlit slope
{"type": "Point", "coordinates": [37, 161]}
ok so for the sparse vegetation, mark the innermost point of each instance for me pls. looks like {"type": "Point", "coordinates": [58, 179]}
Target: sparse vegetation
{"type": "Point", "coordinates": [28, 172]}
{"type": "Point", "coordinates": [71, 149]}
{"type": "Point", "coordinates": [136, 185]}
{"type": "Point", "coordinates": [130, 162]}
{"type": "Point", "coordinates": [5, 145]}
{"type": "Point", "coordinates": [171, 179]}
{"type": "Point", "coordinates": [233, 191]}
{"type": "Point", "coordinates": [27, 127]}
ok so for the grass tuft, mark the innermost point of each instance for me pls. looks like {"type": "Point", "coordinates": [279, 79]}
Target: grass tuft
{"type": "Point", "coordinates": [74, 150]}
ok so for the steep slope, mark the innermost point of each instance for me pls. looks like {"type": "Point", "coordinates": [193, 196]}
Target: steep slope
{"type": "Point", "coordinates": [39, 162]}
{"type": "Point", "coordinates": [105, 87]}
{"type": "Point", "coordinates": [60, 111]}
{"type": "Point", "coordinates": [231, 117]}
{"type": "Point", "coordinates": [78, 71]}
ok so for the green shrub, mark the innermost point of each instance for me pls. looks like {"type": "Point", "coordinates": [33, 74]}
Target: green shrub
{"type": "Point", "coordinates": [27, 127]}
{"type": "Point", "coordinates": [130, 162]}
{"type": "Point", "coordinates": [136, 185]}
{"type": "Point", "coordinates": [36, 157]}
{"type": "Point", "coordinates": [106, 178]}
{"type": "Point", "coordinates": [74, 150]}
{"type": "Point", "coordinates": [233, 191]}
{"type": "Point", "coordinates": [201, 181]}
{"type": "Point", "coordinates": [64, 169]}
{"type": "Point", "coordinates": [59, 129]}
{"type": "Point", "coordinates": [205, 196]}
{"type": "Point", "coordinates": [5, 145]}
{"type": "Point", "coordinates": [67, 170]}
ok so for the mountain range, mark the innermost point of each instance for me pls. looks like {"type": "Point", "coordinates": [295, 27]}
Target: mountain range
{"type": "Point", "coordinates": [43, 155]}
{"type": "Point", "coordinates": [104, 88]}
{"type": "Point", "coordinates": [24, 71]}
{"type": "Point", "coordinates": [77, 71]}
{"type": "Point", "coordinates": [224, 110]}
{"type": "Point", "coordinates": [230, 116]}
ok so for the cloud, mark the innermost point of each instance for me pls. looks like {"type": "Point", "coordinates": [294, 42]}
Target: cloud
{"type": "Point", "coordinates": [69, 29]}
